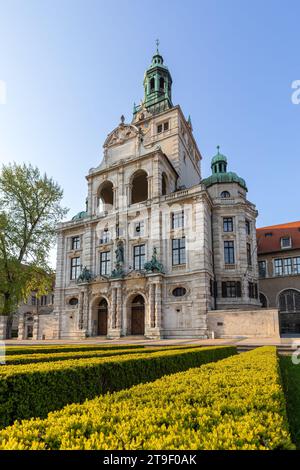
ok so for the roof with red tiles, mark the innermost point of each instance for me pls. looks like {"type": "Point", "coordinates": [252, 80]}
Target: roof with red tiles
{"type": "Point", "coordinates": [269, 238]}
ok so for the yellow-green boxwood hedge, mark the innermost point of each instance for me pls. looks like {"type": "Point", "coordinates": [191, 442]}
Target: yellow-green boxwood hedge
{"type": "Point", "coordinates": [236, 403]}
{"type": "Point", "coordinates": [49, 349]}
{"type": "Point", "coordinates": [30, 390]}
{"type": "Point", "coordinates": [65, 355]}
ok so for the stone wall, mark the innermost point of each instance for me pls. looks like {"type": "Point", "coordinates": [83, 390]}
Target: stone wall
{"type": "Point", "coordinates": [244, 323]}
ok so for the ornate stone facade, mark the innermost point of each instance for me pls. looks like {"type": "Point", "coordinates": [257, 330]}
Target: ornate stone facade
{"type": "Point", "coordinates": [154, 237]}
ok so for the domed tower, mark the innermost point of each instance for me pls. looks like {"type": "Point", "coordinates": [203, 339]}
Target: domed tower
{"type": "Point", "coordinates": [157, 86]}
{"type": "Point", "coordinates": [233, 237]}
{"type": "Point", "coordinates": [220, 174]}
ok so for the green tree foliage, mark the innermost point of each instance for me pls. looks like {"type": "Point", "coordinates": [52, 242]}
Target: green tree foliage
{"type": "Point", "coordinates": [30, 208]}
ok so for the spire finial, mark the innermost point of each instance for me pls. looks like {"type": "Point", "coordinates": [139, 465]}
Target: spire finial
{"type": "Point", "coordinates": [122, 119]}
{"type": "Point", "coordinates": [218, 148]}
{"type": "Point", "coordinates": [157, 44]}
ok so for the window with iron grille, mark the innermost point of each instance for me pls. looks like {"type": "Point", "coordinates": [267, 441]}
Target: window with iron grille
{"type": "Point", "coordinates": [75, 268]}
{"type": "Point", "coordinates": [177, 219]}
{"type": "Point", "coordinates": [278, 264]}
{"type": "Point", "coordinates": [178, 251]}
{"type": "Point", "coordinates": [231, 289]}
{"type": "Point", "coordinates": [227, 224]}
{"type": "Point", "coordinates": [138, 257]}
{"type": "Point", "coordinates": [229, 252]}
{"type": "Point", "coordinates": [75, 243]}
{"type": "Point", "coordinates": [105, 263]}
{"type": "Point", "coordinates": [262, 268]}
{"type": "Point", "coordinates": [252, 290]}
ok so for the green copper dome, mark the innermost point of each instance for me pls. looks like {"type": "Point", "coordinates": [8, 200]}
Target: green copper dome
{"type": "Point", "coordinates": [80, 215]}
{"type": "Point", "coordinates": [220, 174]}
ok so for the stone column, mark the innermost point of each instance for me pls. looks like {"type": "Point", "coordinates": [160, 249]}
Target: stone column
{"type": "Point", "coordinates": [153, 325]}
{"type": "Point", "coordinates": [35, 330]}
{"type": "Point", "coordinates": [152, 305]}
{"type": "Point", "coordinates": [80, 310]}
{"type": "Point", "coordinates": [21, 326]}
{"type": "Point", "coordinates": [158, 305]}
{"type": "Point", "coordinates": [114, 319]}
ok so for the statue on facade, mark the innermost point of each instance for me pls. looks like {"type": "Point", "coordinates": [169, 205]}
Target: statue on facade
{"type": "Point", "coordinates": [85, 276]}
{"type": "Point", "coordinates": [154, 265]}
{"type": "Point", "coordinates": [119, 252]}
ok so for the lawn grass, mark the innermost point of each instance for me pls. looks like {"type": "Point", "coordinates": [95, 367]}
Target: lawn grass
{"type": "Point", "coordinates": [291, 383]}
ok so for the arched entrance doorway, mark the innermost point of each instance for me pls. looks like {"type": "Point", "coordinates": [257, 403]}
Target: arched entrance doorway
{"type": "Point", "coordinates": [102, 318]}
{"type": "Point", "coordinates": [289, 306]}
{"type": "Point", "coordinates": [138, 315]}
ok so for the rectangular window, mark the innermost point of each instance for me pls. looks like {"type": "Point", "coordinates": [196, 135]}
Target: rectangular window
{"type": "Point", "coordinates": [139, 229]}
{"type": "Point", "coordinates": [75, 243]}
{"type": "Point", "coordinates": [252, 290]}
{"type": "Point", "coordinates": [227, 224]}
{"type": "Point", "coordinates": [248, 227]}
{"type": "Point", "coordinates": [229, 252]}
{"type": "Point", "coordinates": [278, 264]}
{"type": "Point", "coordinates": [296, 263]}
{"type": "Point", "coordinates": [166, 126]}
{"type": "Point", "coordinates": [43, 300]}
{"type": "Point", "coordinates": [288, 266]}
{"type": "Point", "coordinates": [178, 251]}
{"type": "Point", "coordinates": [105, 263]}
{"type": "Point", "coordinates": [262, 268]}
{"type": "Point", "coordinates": [138, 257]}
{"type": "Point", "coordinates": [286, 242]}
{"type": "Point", "coordinates": [159, 128]}
{"type": "Point", "coordinates": [249, 255]}
{"type": "Point", "coordinates": [75, 268]}
{"type": "Point", "coordinates": [33, 300]}
{"type": "Point", "coordinates": [231, 289]}
{"type": "Point", "coordinates": [177, 219]}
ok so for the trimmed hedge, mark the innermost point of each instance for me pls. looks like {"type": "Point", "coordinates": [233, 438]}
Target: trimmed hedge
{"type": "Point", "coordinates": [35, 389]}
{"type": "Point", "coordinates": [13, 350]}
{"type": "Point", "coordinates": [291, 383]}
{"type": "Point", "coordinates": [61, 356]}
{"type": "Point", "coordinates": [237, 403]}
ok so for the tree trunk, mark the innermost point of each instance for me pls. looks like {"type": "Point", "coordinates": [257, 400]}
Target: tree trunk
{"type": "Point", "coordinates": [6, 318]}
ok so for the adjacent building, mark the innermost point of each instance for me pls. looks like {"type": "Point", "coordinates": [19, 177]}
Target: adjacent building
{"type": "Point", "coordinates": [279, 272]}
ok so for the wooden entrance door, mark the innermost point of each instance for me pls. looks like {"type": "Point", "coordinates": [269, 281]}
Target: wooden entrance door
{"type": "Point", "coordinates": [102, 318]}
{"type": "Point", "coordinates": [138, 316]}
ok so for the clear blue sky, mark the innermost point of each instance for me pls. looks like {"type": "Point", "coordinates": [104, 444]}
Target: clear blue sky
{"type": "Point", "coordinates": [72, 67]}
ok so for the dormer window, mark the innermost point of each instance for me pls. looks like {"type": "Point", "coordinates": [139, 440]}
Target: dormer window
{"type": "Point", "coordinates": [75, 243]}
{"type": "Point", "coordinates": [286, 242]}
{"type": "Point", "coordinates": [225, 194]}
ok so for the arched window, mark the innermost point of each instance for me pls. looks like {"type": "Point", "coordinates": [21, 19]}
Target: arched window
{"type": "Point", "coordinates": [164, 184]}
{"type": "Point", "coordinates": [139, 190]}
{"type": "Point", "coordinates": [161, 84]}
{"type": "Point", "coordinates": [263, 300]}
{"type": "Point", "coordinates": [106, 197]}
{"type": "Point", "coordinates": [73, 301]}
{"type": "Point", "coordinates": [225, 194]}
{"type": "Point", "coordinates": [289, 301]}
{"type": "Point", "coordinates": [152, 84]}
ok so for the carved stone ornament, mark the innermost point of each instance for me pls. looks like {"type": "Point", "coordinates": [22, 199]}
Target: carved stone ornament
{"type": "Point", "coordinates": [121, 134]}
{"type": "Point", "coordinates": [85, 276]}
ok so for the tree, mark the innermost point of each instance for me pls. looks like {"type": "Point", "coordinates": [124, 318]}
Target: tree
{"type": "Point", "coordinates": [29, 212]}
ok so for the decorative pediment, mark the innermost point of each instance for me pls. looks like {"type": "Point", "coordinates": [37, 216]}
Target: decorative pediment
{"type": "Point", "coordinates": [121, 134]}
